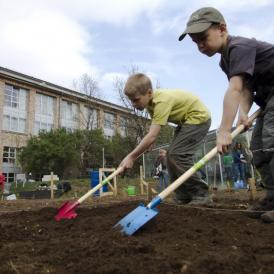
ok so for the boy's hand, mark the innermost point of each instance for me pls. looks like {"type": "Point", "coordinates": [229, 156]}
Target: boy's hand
{"type": "Point", "coordinates": [224, 139]}
{"type": "Point", "coordinates": [150, 147]}
{"type": "Point", "coordinates": [243, 120]}
{"type": "Point", "coordinates": [127, 163]}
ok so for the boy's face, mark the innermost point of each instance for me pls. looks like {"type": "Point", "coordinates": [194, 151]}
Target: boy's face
{"type": "Point", "coordinates": [211, 41]}
{"type": "Point", "coordinates": [140, 101]}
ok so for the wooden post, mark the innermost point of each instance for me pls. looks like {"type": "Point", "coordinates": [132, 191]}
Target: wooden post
{"type": "Point", "coordinates": [115, 186]}
{"type": "Point", "coordinates": [51, 185]}
{"type": "Point", "coordinates": [141, 180]}
{"type": "Point", "coordinates": [112, 187]}
{"type": "Point", "coordinates": [148, 192]}
{"type": "Point", "coordinates": [215, 188]}
{"type": "Point", "coordinates": [100, 180]}
{"type": "Point", "coordinates": [228, 186]}
{"type": "Point", "coordinates": [252, 186]}
{"type": "Point", "coordinates": [143, 184]}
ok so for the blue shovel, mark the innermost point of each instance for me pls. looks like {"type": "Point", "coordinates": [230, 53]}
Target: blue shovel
{"type": "Point", "coordinates": [142, 214]}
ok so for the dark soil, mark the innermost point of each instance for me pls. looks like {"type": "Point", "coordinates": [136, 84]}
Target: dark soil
{"type": "Point", "coordinates": [177, 240]}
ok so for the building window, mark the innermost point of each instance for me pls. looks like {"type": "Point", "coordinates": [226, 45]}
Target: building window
{"type": "Point", "coordinates": [9, 155]}
{"type": "Point", "coordinates": [9, 177]}
{"type": "Point", "coordinates": [109, 120]}
{"type": "Point", "coordinates": [123, 126]}
{"type": "Point", "coordinates": [15, 109]}
{"type": "Point", "coordinates": [109, 125]}
{"type": "Point", "coordinates": [44, 113]}
{"type": "Point", "coordinates": [69, 116]}
{"type": "Point", "coordinates": [91, 118]}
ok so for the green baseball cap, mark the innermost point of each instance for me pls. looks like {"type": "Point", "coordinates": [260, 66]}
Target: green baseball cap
{"type": "Point", "coordinates": [201, 20]}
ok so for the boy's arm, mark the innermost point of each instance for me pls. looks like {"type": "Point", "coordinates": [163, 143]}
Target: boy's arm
{"type": "Point", "coordinates": [245, 105]}
{"type": "Point", "coordinates": [230, 107]}
{"type": "Point", "coordinates": [147, 141]}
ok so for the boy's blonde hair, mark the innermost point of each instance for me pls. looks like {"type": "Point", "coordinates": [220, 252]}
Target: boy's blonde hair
{"type": "Point", "coordinates": [137, 84]}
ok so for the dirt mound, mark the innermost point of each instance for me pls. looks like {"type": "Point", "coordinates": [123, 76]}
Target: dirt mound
{"type": "Point", "coordinates": [178, 240]}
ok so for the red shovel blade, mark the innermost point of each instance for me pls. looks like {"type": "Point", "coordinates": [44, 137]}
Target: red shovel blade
{"type": "Point", "coordinates": [67, 211]}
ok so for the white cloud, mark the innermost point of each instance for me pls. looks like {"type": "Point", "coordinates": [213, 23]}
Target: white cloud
{"type": "Point", "coordinates": [106, 83]}
{"type": "Point", "coordinates": [45, 45]}
{"type": "Point", "coordinates": [248, 5]}
{"type": "Point", "coordinates": [160, 25]}
{"type": "Point", "coordinates": [123, 12]}
{"type": "Point", "coordinates": [112, 76]}
{"type": "Point", "coordinates": [104, 11]}
{"type": "Point", "coordinates": [47, 39]}
{"type": "Point", "coordinates": [259, 31]}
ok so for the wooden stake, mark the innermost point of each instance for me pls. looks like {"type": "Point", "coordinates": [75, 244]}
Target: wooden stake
{"type": "Point", "coordinates": [148, 192]}
{"type": "Point", "coordinates": [115, 186]}
{"type": "Point", "coordinates": [51, 186]}
{"type": "Point", "coordinates": [252, 186]}
{"type": "Point", "coordinates": [111, 185]}
{"type": "Point", "coordinates": [228, 186]}
{"type": "Point", "coordinates": [215, 188]}
{"type": "Point", "coordinates": [141, 180]}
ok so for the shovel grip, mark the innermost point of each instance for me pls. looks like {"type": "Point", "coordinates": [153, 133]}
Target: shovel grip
{"type": "Point", "coordinates": [93, 190]}
{"type": "Point", "coordinates": [202, 162]}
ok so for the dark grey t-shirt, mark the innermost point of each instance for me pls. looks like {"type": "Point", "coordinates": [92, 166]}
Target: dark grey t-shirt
{"type": "Point", "coordinates": [249, 57]}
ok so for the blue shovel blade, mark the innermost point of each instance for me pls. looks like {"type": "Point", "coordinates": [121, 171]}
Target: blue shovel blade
{"type": "Point", "coordinates": [136, 219]}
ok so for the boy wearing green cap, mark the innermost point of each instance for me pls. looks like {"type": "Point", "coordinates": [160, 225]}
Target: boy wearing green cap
{"type": "Point", "coordinates": [249, 66]}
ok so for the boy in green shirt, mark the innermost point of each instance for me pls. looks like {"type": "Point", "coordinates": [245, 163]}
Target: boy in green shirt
{"type": "Point", "coordinates": [249, 66]}
{"type": "Point", "coordinates": [193, 121]}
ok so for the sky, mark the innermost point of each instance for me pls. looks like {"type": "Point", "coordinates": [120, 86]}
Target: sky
{"type": "Point", "coordinates": [60, 40]}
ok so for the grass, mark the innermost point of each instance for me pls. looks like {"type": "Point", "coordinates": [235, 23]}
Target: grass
{"type": "Point", "coordinates": [29, 186]}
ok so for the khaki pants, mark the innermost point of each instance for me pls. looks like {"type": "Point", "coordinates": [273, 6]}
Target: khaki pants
{"type": "Point", "coordinates": [185, 143]}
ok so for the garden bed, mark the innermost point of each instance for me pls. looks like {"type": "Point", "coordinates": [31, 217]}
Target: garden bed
{"type": "Point", "coordinates": [178, 240]}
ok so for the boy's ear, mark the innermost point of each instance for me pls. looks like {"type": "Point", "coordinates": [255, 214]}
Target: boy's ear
{"type": "Point", "coordinates": [222, 27]}
{"type": "Point", "coordinates": [150, 92]}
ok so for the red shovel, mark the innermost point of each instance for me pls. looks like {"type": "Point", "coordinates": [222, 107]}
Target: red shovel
{"type": "Point", "coordinates": [67, 210]}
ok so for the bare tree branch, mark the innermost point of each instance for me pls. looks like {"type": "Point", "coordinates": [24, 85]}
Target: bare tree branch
{"type": "Point", "coordinates": [137, 126]}
{"type": "Point", "coordinates": [88, 85]}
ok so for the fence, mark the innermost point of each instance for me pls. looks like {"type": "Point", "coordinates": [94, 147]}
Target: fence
{"type": "Point", "coordinates": [216, 172]}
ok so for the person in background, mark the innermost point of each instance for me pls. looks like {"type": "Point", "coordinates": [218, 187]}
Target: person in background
{"type": "Point", "coordinates": [2, 182]}
{"type": "Point", "coordinates": [248, 160]}
{"type": "Point", "coordinates": [161, 169]}
{"type": "Point", "coordinates": [228, 167]}
{"type": "Point", "coordinates": [239, 164]}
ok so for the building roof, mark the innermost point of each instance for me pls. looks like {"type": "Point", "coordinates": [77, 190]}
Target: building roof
{"type": "Point", "coordinates": [14, 75]}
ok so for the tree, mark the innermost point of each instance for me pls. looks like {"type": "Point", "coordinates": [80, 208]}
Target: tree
{"type": "Point", "coordinates": [49, 151]}
{"type": "Point", "coordinates": [88, 85]}
{"type": "Point", "coordinates": [165, 135]}
{"type": "Point", "coordinates": [117, 148]}
{"type": "Point", "coordinates": [90, 143]}
{"type": "Point", "coordinates": [69, 154]}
